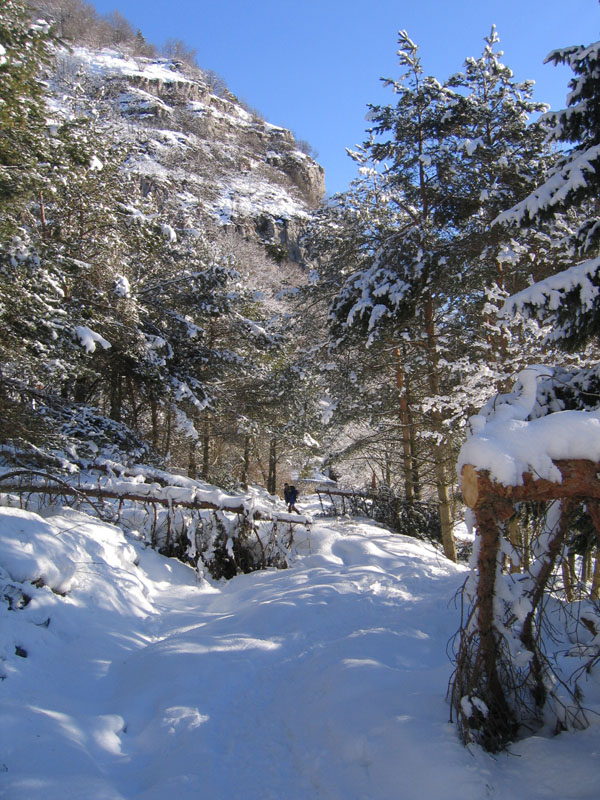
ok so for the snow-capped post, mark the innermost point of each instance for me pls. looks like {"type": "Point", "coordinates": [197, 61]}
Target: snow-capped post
{"type": "Point", "coordinates": [482, 703]}
{"type": "Point", "coordinates": [524, 458]}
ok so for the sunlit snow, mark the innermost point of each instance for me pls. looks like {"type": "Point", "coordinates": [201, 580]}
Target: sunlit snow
{"type": "Point", "coordinates": [126, 677]}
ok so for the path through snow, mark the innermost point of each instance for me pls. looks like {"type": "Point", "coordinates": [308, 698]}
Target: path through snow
{"type": "Point", "coordinates": [326, 680]}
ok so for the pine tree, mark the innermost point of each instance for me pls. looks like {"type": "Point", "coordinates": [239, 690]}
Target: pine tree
{"type": "Point", "coordinates": [574, 181]}
{"type": "Point", "coordinates": [567, 301]}
{"type": "Point", "coordinates": [447, 158]}
{"type": "Point", "coordinates": [24, 50]}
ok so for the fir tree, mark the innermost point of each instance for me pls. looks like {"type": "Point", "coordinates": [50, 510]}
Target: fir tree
{"type": "Point", "coordinates": [446, 158]}
{"type": "Point", "coordinates": [574, 181]}
{"type": "Point", "coordinates": [24, 50]}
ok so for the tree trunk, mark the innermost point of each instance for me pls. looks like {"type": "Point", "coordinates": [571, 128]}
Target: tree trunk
{"type": "Point", "coordinates": [43, 216]}
{"type": "Point", "coordinates": [405, 427]}
{"type": "Point", "coordinates": [500, 723]}
{"type": "Point", "coordinates": [415, 460]}
{"type": "Point", "coordinates": [154, 422]}
{"type": "Point", "coordinates": [445, 505]}
{"type": "Point", "coordinates": [134, 408]}
{"type": "Point", "coordinates": [586, 567]}
{"type": "Point", "coordinates": [167, 439]}
{"type": "Point", "coordinates": [206, 450]}
{"type": "Point", "coordinates": [116, 395]}
{"type": "Point", "coordinates": [246, 462]}
{"type": "Point", "coordinates": [272, 477]}
{"type": "Point", "coordinates": [387, 467]}
{"type": "Point", "coordinates": [594, 512]}
{"type": "Point", "coordinates": [192, 466]}
{"type": "Point", "coordinates": [595, 593]}
{"type": "Point", "coordinates": [442, 483]}
{"type": "Point", "coordinates": [516, 539]}
{"type": "Point", "coordinates": [568, 579]}
{"type": "Point", "coordinates": [80, 390]}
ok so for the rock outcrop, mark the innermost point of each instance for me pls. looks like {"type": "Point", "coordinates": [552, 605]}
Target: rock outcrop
{"type": "Point", "coordinates": [214, 155]}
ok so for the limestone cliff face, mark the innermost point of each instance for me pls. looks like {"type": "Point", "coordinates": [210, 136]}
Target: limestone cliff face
{"type": "Point", "coordinates": [219, 159]}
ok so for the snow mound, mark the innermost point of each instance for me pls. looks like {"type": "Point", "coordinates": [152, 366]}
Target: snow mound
{"type": "Point", "coordinates": [508, 439]}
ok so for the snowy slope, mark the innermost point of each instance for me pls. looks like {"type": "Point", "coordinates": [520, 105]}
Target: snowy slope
{"type": "Point", "coordinates": [213, 158]}
{"type": "Point", "coordinates": [326, 680]}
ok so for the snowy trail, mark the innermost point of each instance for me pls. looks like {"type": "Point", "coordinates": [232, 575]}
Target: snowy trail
{"type": "Point", "coordinates": [326, 680]}
{"type": "Point", "coordinates": [272, 672]}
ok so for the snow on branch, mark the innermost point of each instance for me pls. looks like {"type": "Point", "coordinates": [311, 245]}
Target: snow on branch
{"type": "Point", "coordinates": [549, 293]}
{"type": "Point", "coordinates": [507, 442]}
{"type": "Point", "coordinates": [567, 301]}
{"type": "Point", "coordinates": [89, 339]}
{"type": "Point", "coordinates": [567, 179]}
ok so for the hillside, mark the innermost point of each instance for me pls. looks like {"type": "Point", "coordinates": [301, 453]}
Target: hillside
{"type": "Point", "coordinates": [219, 160]}
{"type": "Point", "coordinates": [150, 237]}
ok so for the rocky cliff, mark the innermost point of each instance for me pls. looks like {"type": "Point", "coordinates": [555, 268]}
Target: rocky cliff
{"type": "Point", "coordinates": [221, 161]}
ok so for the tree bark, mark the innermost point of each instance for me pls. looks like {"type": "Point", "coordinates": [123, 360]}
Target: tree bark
{"type": "Point", "coordinates": [154, 422]}
{"type": "Point", "coordinates": [595, 593]}
{"type": "Point", "coordinates": [192, 466]}
{"type": "Point", "coordinates": [568, 575]}
{"type": "Point", "coordinates": [206, 450]}
{"type": "Point", "coordinates": [579, 480]}
{"type": "Point", "coordinates": [442, 483]}
{"type": "Point", "coordinates": [272, 477]}
{"type": "Point", "coordinates": [134, 407]}
{"type": "Point", "coordinates": [405, 427]}
{"type": "Point", "coordinates": [116, 395]}
{"type": "Point", "coordinates": [500, 722]}
{"type": "Point", "coordinates": [516, 539]}
{"type": "Point", "coordinates": [246, 462]}
{"type": "Point", "coordinates": [167, 437]}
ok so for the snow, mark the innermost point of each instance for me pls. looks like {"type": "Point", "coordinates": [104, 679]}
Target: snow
{"type": "Point", "coordinates": [471, 145]}
{"type": "Point", "coordinates": [126, 677]}
{"type": "Point", "coordinates": [122, 286]}
{"type": "Point", "coordinates": [551, 291]}
{"type": "Point", "coordinates": [89, 339]}
{"type": "Point", "coordinates": [507, 443]}
{"type": "Point", "coordinates": [565, 180]}
{"type": "Point", "coordinates": [169, 233]}
{"type": "Point", "coordinates": [109, 62]}
{"type": "Point", "coordinates": [249, 195]}
{"type": "Point", "coordinates": [509, 448]}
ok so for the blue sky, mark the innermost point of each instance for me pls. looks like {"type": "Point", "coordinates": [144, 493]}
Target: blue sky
{"type": "Point", "coordinates": [314, 66]}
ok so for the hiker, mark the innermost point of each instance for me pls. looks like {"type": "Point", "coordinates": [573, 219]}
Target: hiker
{"type": "Point", "coordinates": [290, 493]}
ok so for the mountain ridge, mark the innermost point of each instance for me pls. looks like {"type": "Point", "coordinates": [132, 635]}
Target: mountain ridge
{"type": "Point", "coordinates": [236, 169]}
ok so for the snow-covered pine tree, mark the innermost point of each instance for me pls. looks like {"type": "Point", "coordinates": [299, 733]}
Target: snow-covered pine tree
{"type": "Point", "coordinates": [500, 154]}
{"type": "Point", "coordinates": [365, 436]}
{"type": "Point", "coordinates": [447, 157]}
{"type": "Point", "coordinates": [24, 49]}
{"type": "Point", "coordinates": [395, 286]}
{"type": "Point", "coordinates": [566, 305]}
{"type": "Point", "coordinates": [568, 301]}
{"type": "Point", "coordinates": [574, 181]}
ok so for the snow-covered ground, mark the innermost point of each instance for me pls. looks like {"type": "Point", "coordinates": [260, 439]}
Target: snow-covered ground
{"type": "Point", "coordinates": [135, 680]}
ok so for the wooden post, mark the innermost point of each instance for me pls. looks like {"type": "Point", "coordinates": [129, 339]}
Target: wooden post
{"type": "Point", "coordinates": [500, 723]}
{"type": "Point", "coordinates": [516, 539]}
